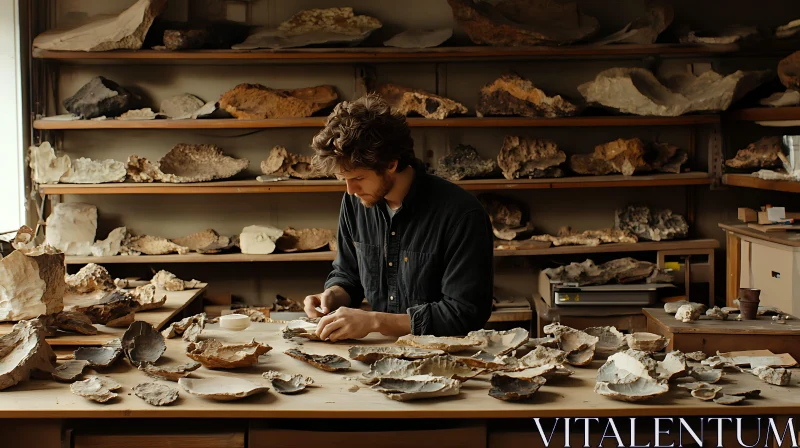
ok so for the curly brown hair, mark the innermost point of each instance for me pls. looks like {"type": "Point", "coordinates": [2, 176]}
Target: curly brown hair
{"type": "Point", "coordinates": [365, 133]}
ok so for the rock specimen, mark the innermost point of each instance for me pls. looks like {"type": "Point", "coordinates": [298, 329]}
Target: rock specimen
{"type": "Point", "coordinates": [187, 163]}
{"type": "Point", "coordinates": [300, 240]}
{"type": "Point", "coordinates": [706, 374]}
{"type": "Point", "coordinates": [639, 390]}
{"type": "Point", "coordinates": [287, 384]}
{"type": "Point", "coordinates": [673, 366]}
{"type": "Point", "coordinates": [654, 226]}
{"type": "Point", "coordinates": [789, 71]}
{"type": "Point", "coordinates": [464, 162]}
{"type": "Point", "coordinates": [156, 394]}
{"type": "Point", "coordinates": [170, 282]}
{"type": "Point", "coordinates": [31, 284]}
{"type": "Point", "coordinates": [125, 31]}
{"type": "Point", "coordinates": [151, 245]}
{"type": "Point", "coordinates": [765, 153]}
{"type": "Point", "coordinates": [609, 340]}
{"type": "Point", "coordinates": [637, 91]}
{"type": "Point", "coordinates": [727, 35]}
{"type": "Point", "coordinates": [782, 99]}
{"type": "Point", "coordinates": [621, 270]}
{"type": "Point", "coordinates": [511, 23]}
{"type": "Point", "coordinates": [789, 30]}
{"type": "Point", "coordinates": [189, 327]}
{"type": "Point", "coordinates": [417, 387]}
{"type": "Point", "coordinates": [644, 30]}
{"type": "Point", "coordinates": [169, 373]}
{"type": "Point", "coordinates": [446, 343]}
{"type": "Point", "coordinates": [257, 102]}
{"type": "Point", "coordinates": [328, 363]}
{"type": "Point", "coordinates": [221, 388]}
{"type": "Point", "coordinates": [69, 371]}
{"type": "Point", "coordinates": [329, 26]}
{"type": "Point", "coordinates": [408, 101]}
{"type": "Point", "coordinates": [511, 94]}
{"type": "Point", "coordinates": [139, 114]}
{"type": "Point", "coordinates": [259, 239]}
{"type": "Point", "coordinates": [96, 388]}
{"type": "Point", "coordinates": [89, 279]}
{"type": "Point", "coordinates": [370, 354]}
{"type": "Point", "coordinates": [47, 168]}
{"type": "Point", "coordinates": [777, 377]}
{"type": "Point", "coordinates": [489, 362]}
{"type": "Point", "coordinates": [101, 357]}
{"type": "Point", "coordinates": [500, 343]}
{"type": "Point", "coordinates": [180, 107]}
{"type": "Point", "coordinates": [147, 297]}
{"type": "Point", "coordinates": [76, 322]}
{"type": "Point", "coordinates": [206, 242]}
{"type": "Point", "coordinates": [717, 314]}
{"type": "Point", "coordinates": [116, 309]}
{"type": "Point", "coordinates": [541, 355]}
{"type": "Point", "coordinates": [521, 157]}
{"type": "Point", "coordinates": [420, 38]}
{"type": "Point", "coordinates": [23, 352]}
{"type": "Point", "coordinates": [578, 345]}
{"type": "Point", "coordinates": [100, 97]}
{"type": "Point", "coordinates": [629, 156]}
{"type": "Point", "coordinates": [568, 237]}
{"type": "Point", "coordinates": [629, 376]}
{"type": "Point", "coordinates": [672, 307]}
{"type": "Point", "coordinates": [646, 342]}
{"type": "Point", "coordinates": [729, 399]}
{"type": "Point", "coordinates": [509, 388]}
{"type": "Point", "coordinates": [213, 354]}
{"type": "Point", "coordinates": [687, 313]}
{"type": "Point", "coordinates": [303, 328]}
{"type": "Point", "coordinates": [509, 217]}
{"type": "Point", "coordinates": [282, 163]}
{"type": "Point", "coordinates": [696, 356]}
{"type": "Point", "coordinates": [71, 228]}
{"type": "Point", "coordinates": [111, 245]}
{"type": "Point", "coordinates": [141, 343]}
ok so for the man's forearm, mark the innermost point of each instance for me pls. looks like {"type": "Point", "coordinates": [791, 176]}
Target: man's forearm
{"type": "Point", "coordinates": [340, 297]}
{"type": "Point", "coordinates": [395, 325]}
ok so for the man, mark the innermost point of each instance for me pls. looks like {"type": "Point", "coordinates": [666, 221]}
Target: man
{"type": "Point", "coordinates": [417, 247]}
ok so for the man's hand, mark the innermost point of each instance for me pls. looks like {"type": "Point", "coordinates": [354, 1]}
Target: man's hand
{"type": "Point", "coordinates": [347, 323]}
{"type": "Point", "coordinates": [330, 300]}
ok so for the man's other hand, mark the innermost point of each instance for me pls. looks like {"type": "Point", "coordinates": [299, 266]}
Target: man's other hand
{"type": "Point", "coordinates": [346, 323]}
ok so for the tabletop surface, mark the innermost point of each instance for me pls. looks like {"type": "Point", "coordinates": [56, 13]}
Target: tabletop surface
{"type": "Point", "coordinates": [762, 325]}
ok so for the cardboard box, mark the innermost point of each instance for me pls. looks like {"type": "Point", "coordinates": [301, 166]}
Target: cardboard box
{"type": "Point", "coordinates": [775, 270]}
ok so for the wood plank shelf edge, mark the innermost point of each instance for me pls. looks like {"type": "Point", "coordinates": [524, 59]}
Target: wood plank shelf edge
{"type": "Point", "coordinates": [750, 181]}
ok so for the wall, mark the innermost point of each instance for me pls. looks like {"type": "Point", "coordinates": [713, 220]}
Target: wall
{"type": "Point", "coordinates": [12, 211]}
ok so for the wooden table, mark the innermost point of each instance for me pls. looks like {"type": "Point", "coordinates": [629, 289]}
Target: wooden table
{"type": "Point", "coordinates": [711, 336]}
{"type": "Point", "coordinates": [177, 301]}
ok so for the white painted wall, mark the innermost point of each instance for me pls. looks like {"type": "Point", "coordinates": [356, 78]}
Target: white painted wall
{"type": "Point", "coordinates": [11, 153]}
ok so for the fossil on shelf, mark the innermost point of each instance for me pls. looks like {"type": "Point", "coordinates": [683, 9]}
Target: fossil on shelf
{"type": "Point", "coordinates": [100, 97]}
{"type": "Point", "coordinates": [621, 270]}
{"type": "Point", "coordinates": [186, 163]}
{"type": "Point", "coordinates": [509, 217]}
{"type": "Point", "coordinates": [651, 225]}
{"type": "Point", "coordinates": [764, 153]}
{"type": "Point", "coordinates": [257, 102]}
{"type": "Point", "coordinates": [408, 101]}
{"type": "Point", "coordinates": [629, 156]}
{"type": "Point", "coordinates": [301, 240]}
{"type": "Point", "coordinates": [205, 242]}
{"type": "Point", "coordinates": [521, 157]}
{"type": "Point", "coordinates": [464, 162]}
{"type": "Point", "coordinates": [71, 228]}
{"type": "Point", "coordinates": [511, 94]}
{"type": "Point", "coordinates": [47, 168]}
{"type": "Point", "coordinates": [282, 163]}
{"type": "Point", "coordinates": [568, 237]}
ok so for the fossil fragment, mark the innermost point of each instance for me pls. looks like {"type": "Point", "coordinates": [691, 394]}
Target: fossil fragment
{"type": "Point", "coordinates": [622, 270]}
{"type": "Point", "coordinates": [626, 367]}
{"type": "Point", "coordinates": [776, 376]}
{"type": "Point", "coordinates": [490, 362]}
{"type": "Point", "coordinates": [448, 344]}
{"type": "Point", "coordinates": [727, 35]}
{"type": "Point", "coordinates": [125, 31]}
{"type": "Point", "coordinates": [696, 356]}
{"type": "Point", "coordinates": [169, 373]}
{"type": "Point", "coordinates": [328, 363]}
{"type": "Point", "coordinates": [547, 341]}
{"type": "Point", "coordinates": [281, 163]}
{"type": "Point", "coordinates": [629, 156]}
{"type": "Point", "coordinates": [90, 278]}
{"type": "Point", "coordinates": [687, 313]}
{"type": "Point", "coordinates": [501, 342]}
{"type": "Point", "coordinates": [156, 394]}
{"type": "Point", "coordinates": [69, 371]}
{"type": "Point", "coordinates": [101, 357]}
{"type": "Point", "coordinates": [609, 339]}
{"type": "Point", "coordinates": [717, 314]}
{"type": "Point", "coordinates": [206, 242]}
{"type": "Point", "coordinates": [542, 355]}
{"type": "Point", "coordinates": [96, 388]}
{"type": "Point", "coordinates": [24, 239]}
{"type": "Point", "coordinates": [651, 225]}
{"type": "Point", "coordinates": [188, 327]}
{"type": "Point", "coordinates": [136, 114]}
{"type": "Point", "coordinates": [303, 328]}
{"type": "Point", "coordinates": [221, 388]}
{"type": "Point", "coordinates": [75, 321]}
{"type": "Point", "coordinates": [417, 387]}
{"type": "Point", "coordinates": [729, 399]}
{"type": "Point", "coordinates": [511, 94]}
{"type": "Point", "coordinates": [287, 384]}
{"type": "Point", "coordinates": [47, 168]}
{"type": "Point", "coordinates": [111, 245]}
{"type": "Point", "coordinates": [113, 309]}
{"type": "Point", "coordinates": [286, 304]}
{"type": "Point", "coordinates": [408, 101]}
{"type": "Point", "coordinates": [765, 153]}
{"type": "Point", "coordinates": [717, 362]}
{"type": "Point", "coordinates": [646, 342]}
{"type": "Point", "coordinates": [706, 393]}
{"type": "Point", "coordinates": [644, 30]}
{"type": "Point", "coordinates": [257, 102]}
{"type": "Point", "coordinates": [31, 283]}
{"type": "Point", "coordinates": [170, 282]}
{"type": "Point", "coordinates": [416, 38]}
{"type": "Point", "coordinates": [259, 239]}
{"type": "Point", "coordinates": [567, 236]}
{"type": "Point", "coordinates": [508, 216]}
{"type": "Point", "coordinates": [789, 71]}
{"type": "Point", "coordinates": [213, 354]}
{"type": "Point", "coordinates": [141, 343]}
{"type": "Point", "coordinates": [300, 240]}
{"type": "Point", "coordinates": [100, 97]}
{"type": "Point", "coordinates": [522, 157]}
{"type": "Point", "coordinates": [464, 162]}
{"type": "Point", "coordinates": [71, 228]}
{"type": "Point", "coordinates": [151, 245]}
{"type": "Point", "coordinates": [370, 354]}
{"type": "Point", "coordinates": [508, 388]}
{"type": "Point", "coordinates": [747, 393]}
{"type": "Point", "coordinates": [673, 366]}
{"type": "Point", "coordinates": [639, 390]}
{"type": "Point", "coordinates": [148, 298]}
{"type": "Point", "coordinates": [256, 314]}
{"type": "Point", "coordinates": [782, 99]}
{"type": "Point", "coordinates": [546, 371]}
{"type": "Point", "coordinates": [706, 374]}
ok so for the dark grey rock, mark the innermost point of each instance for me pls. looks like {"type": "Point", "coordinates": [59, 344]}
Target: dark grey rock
{"type": "Point", "coordinates": [100, 97]}
{"type": "Point", "coordinates": [464, 162]}
{"type": "Point", "coordinates": [654, 226]}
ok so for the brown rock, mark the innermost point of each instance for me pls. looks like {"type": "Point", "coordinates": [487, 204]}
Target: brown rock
{"type": "Point", "coordinates": [168, 281]}
{"type": "Point", "coordinates": [156, 394]}
{"type": "Point", "coordinates": [24, 238]}
{"type": "Point", "coordinates": [31, 283]}
{"type": "Point", "coordinates": [256, 102]}
{"type": "Point", "coordinates": [283, 163]}
{"type": "Point", "coordinates": [508, 217]}
{"type": "Point", "coordinates": [511, 94]}
{"type": "Point", "coordinates": [765, 153]}
{"type": "Point", "coordinates": [415, 101]}
{"type": "Point", "coordinates": [299, 240]}
{"type": "Point", "coordinates": [169, 373]}
{"type": "Point", "coordinates": [101, 357]}
{"type": "Point", "coordinates": [152, 245]}
{"type": "Point", "coordinates": [111, 309]}
{"type": "Point", "coordinates": [523, 22]}
{"type": "Point", "coordinates": [213, 354]}
{"type": "Point", "coordinates": [89, 279]}
{"type": "Point", "coordinates": [147, 297]}
{"type": "Point", "coordinates": [206, 242]}
{"type": "Point", "coordinates": [522, 157]}
{"type": "Point", "coordinates": [75, 321]}
{"type": "Point", "coordinates": [22, 352]}
{"type": "Point", "coordinates": [629, 156]}
{"type": "Point", "coordinates": [650, 225]}
{"type": "Point", "coordinates": [69, 371]}
{"type": "Point", "coordinates": [199, 163]}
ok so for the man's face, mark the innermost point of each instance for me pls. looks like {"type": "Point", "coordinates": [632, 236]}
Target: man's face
{"type": "Point", "coordinates": [367, 185]}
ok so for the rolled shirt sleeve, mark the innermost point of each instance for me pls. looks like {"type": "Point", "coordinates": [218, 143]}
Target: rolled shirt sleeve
{"type": "Point", "coordinates": [345, 266]}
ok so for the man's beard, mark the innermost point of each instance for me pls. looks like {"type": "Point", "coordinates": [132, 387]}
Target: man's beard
{"type": "Point", "coordinates": [384, 188]}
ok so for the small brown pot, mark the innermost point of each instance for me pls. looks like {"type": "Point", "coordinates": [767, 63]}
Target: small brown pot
{"type": "Point", "coordinates": [748, 309]}
{"type": "Point", "coordinates": [749, 295]}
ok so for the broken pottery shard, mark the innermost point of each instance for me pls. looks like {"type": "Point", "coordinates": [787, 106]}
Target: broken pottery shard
{"type": "Point", "coordinates": [181, 106]}
{"type": "Point", "coordinates": [300, 240]}
{"type": "Point", "coordinates": [777, 377]}
{"type": "Point", "coordinates": [328, 26]}
{"type": "Point", "coordinates": [141, 343]}
{"type": "Point", "coordinates": [210, 110]}
{"type": "Point", "coordinates": [747, 393]}
{"type": "Point", "coordinates": [639, 390]}
{"type": "Point", "coordinates": [789, 71]}
{"type": "Point", "coordinates": [71, 228]}
{"type": "Point", "coordinates": [257, 102]}
{"type": "Point", "coordinates": [696, 356]}
{"type": "Point", "coordinates": [647, 342]}
{"type": "Point", "coordinates": [542, 355]}
{"type": "Point", "coordinates": [464, 162]}
{"type": "Point", "coordinates": [729, 399]}
{"type": "Point", "coordinates": [156, 394]}
{"type": "Point", "coordinates": [782, 99]}
{"type": "Point", "coordinates": [651, 225]}
{"type": "Point", "coordinates": [706, 374]}
{"type": "Point", "coordinates": [629, 156]}
{"type": "Point", "coordinates": [31, 283]}
{"type": "Point", "coordinates": [101, 357]}
{"type": "Point", "coordinates": [408, 101]}
{"type": "Point", "coordinates": [509, 388]}
{"type": "Point", "coordinates": [69, 371]}
{"type": "Point", "coordinates": [328, 363]}
{"type": "Point", "coordinates": [95, 388]}
{"type": "Point", "coordinates": [522, 157]}
{"type": "Point", "coordinates": [609, 340]}
{"type": "Point", "coordinates": [727, 35]}
{"type": "Point", "coordinates": [489, 362]}
{"type": "Point", "coordinates": [76, 322]}
{"type": "Point", "coordinates": [125, 31]}
{"type": "Point", "coordinates": [417, 387]}
{"type": "Point", "coordinates": [644, 30]}
{"type": "Point", "coordinates": [687, 313]}
{"type": "Point", "coordinates": [446, 343]}
{"type": "Point", "coordinates": [715, 362]}
{"type": "Point", "coordinates": [440, 366]}
{"type": "Point", "coordinates": [170, 282]}
{"type": "Point", "coordinates": [501, 342]}
{"type": "Point", "coordinates": [420, 38]}
{"type": "Point", "coordinates": [221, 388]}
{"type": "Point", "coordinates": [717, 314]}
{"type": "Point", "coordinates": [169, 373]}
{"type": "Point", "coordinates": [549, 342]}
{"type": "Point", "coordinates": [259, 239]}
{"type": "Point", "coordinates": [206, 242]}
{"type": "Point", "coordinates": [24, 352]}
{"type": "Point", "coordinates": [621, 270]}
{"type": "Point", "coordinates": [694, 385]}
{"type": "Point", "coordinates": [100, 97]}
{"type": "Point", "coordinates": [511, 23]}
{"type": "Point", "coordinates": [138, 114]}
{"type": "Point", "coordinates": [287, 384]}
{"type": "Point", "coordinates": [673, 366]}
{"type": "Point", "coordinates": [89, 279]}
{"type": "Point", "coordinates": [626, 367]}
{"type": "Point", "coordinates": [213, 354]}
{"type": "Point", "coordinates": [765, 153]}
{"type": "Point", "coordinates": [303, 328]}
{"type": "Point", "coordinates": [187, 327]}
{"type": "Point", "coordinates": [153, 245]}
{"type": "Point", "coordinates": [200, 163]}
{"type": "Point", "coordinates": [511, 94]}
{"type": "Point", "coordinates": [706, 393]}
{"type": "Point", "coordinates": [115, 309]}
{"type": "Point", "coordinates": [147, 297]}
{"type": "Point", "coordinates": [371, 354]}
{"type": "Point", "coordinates": [110, 246]}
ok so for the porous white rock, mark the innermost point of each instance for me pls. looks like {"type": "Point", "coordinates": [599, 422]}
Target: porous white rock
{"type": "Point", "coordinates": [259, 239]}
{"type": "Point", "coordinates": [71, 228]}
{"type": "Point", "coordinates": [111, 245]}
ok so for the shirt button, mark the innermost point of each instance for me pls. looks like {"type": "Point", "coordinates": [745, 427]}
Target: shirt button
{"type": "Point", "coordinates": [390, 263]}
{"type": "Point", "coordinates": [391, 297]}
{"type": "Point", "coordinates": [392, 233]}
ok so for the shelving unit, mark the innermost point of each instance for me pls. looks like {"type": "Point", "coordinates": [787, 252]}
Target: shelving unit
{"type": "Point", "coordinates": [750, 181]}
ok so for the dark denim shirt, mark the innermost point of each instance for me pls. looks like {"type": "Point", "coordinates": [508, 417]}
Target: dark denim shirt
{"type": "Point", "coordinates": [432, 260]}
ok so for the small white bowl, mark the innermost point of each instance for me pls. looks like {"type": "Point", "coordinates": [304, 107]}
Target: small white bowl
{"type": "Point", "coordinates": [234, 322]}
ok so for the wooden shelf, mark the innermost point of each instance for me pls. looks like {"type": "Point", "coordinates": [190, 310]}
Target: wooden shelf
{"type": "Point", "coordinates": [750, 181]}
{"type": "Point", "coordinates": [329, 256]}
{"type": "Point", "coordinates": [381, 54]}
{"type": "Point", "coordinates": [318, 122]}
{"type": "Point", "coordinates": [327, 186]}
{"type": "Point", "coordinates": [765, 114]}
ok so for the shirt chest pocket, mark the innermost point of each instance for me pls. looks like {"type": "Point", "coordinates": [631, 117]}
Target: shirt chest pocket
{"type": "Point", "coordinates": [370, 259]}
{"type": "Point", "coordinates": [420, 279]}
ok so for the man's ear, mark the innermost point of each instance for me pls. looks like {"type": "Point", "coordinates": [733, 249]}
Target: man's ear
{"type": "Point", "coordinates": [392, 166]}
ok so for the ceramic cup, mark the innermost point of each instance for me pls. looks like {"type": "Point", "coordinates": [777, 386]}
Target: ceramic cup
{"type": "Point", "coordinates": [749, 295]}
{"type": "Point", "coordinates": [749, 298]}
{"type": "Point", "coordinates": [234, 322]}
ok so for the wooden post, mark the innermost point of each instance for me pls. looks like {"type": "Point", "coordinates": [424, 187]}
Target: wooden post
{"type": "Point", "coordinates": [733, 252]}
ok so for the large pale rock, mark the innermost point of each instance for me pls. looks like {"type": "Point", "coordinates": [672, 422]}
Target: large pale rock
{"type": "Point", "coordinates": [651, 225]}
{"type": "Point", "coordinates": [644, 30]}
{"type": "Point", "coordinates": [259, 239]}
{"type": "Point", "coordinates": [299, 240]}
{"type": "Point", "coordinates": [629, 156]}
{"type": "Point", "coordinates": [181, 106]}
{"type": "Point", "coordinates": [187, 163]}
{"type": "Point", "coordinates": [314, 27]}
{"type": "Point", "coordinates": [31, 284]}
{"type": "Point", "coordinates": [100, 97]}
{"type": "Point", "coordinates": [622, 270]}
{"type": "Point", "coordinates": [47, 168]}
{"type": "Point", "coordinates": [71, 228]}
{"type": "Point", "coordinates": [111, 245]}
{"type": "Point", "coordinates": [23, 352]}
{"type": "Point", "coordinates": [522, 157]}
{"type": "Point", "coordinates": [464, 162]}
{"type": "Point", "coordinates": [282, 163]}
{"type": "Point", "coordinates": [511, 94]}
{"type": "Point", "coordinates": [151, 245]}
{"type": "Point", "coordinates": [522, 22]}
{"type": "Point", "coordinates": [138, 114]}
{"type": "Point", "coordinates": [257, 102]}
{"type": "Point", "coordinates": [420, 38]}
{"type": "Point", "coordinates": [125, 31]}
{"type": "Point", "coordinates": [765, 153]}
{"type": "Point", "coordinates": [568, 237]}
{"type": "Point", "coordinates": [206, 242]}
{"type": "Point", "coordinates": [408, 101]}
